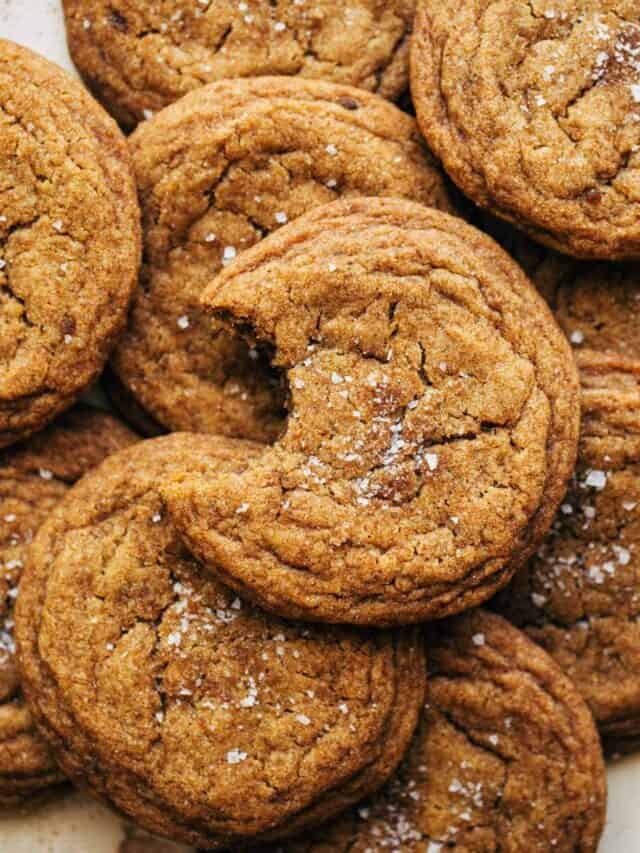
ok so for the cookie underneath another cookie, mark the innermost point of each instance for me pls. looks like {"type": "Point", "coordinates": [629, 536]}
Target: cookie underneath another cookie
{"type": "Point", "coordinates": [69, 240]}
{"type": "Point", "coordinates": [580, 596]}
{"type": "Point", "coordinates": [506, 757]}
{"type": "Point", "coordinates": [433, 419]}
{"type": "Point", "coordinates": [596, 304]}
{"type": "Point", "coordinates": [199, 717]}
{"type": "Point", "coordinates": [217, 172]}
{"type": "Point", "coordinates": [34, 477]}
{"type": "Point", "coordinates": [138, 56]}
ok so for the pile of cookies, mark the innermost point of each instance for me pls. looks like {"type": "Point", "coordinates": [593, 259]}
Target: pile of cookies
{"type": "Point", "coordinates": [361, 571]}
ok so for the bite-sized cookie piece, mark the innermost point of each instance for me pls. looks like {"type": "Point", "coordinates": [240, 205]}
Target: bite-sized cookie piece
{"type": "Point", "coordinates": [505, 758]}
{"type": "Point", "coordinates": [580, 596]}
{"type": "Point", "coordinates": [596, 304]}
{"type": "Point", "coordinates": [433, 419]}
{"type": "Point", "coordinates": [534, 109]}
{"type": "Point", "coordinates": [69, 240]}
{"type": "Point", "coordinates": [199, 717]}
{"type": "Point", "coordinates": [217, 172]}
{"type": "Point", "coordinates": [139, 57]}
{"type": "Point", "coordinates": [34, 476]}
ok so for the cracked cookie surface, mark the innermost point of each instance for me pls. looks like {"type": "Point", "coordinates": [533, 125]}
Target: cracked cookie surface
{"type": "Point", "coordinates": [505, 758]}
{"type": "Point", "coordinates": [216, 173]}
{"type": "Point", "coordinates": [580, 597]}
{"type": "Point", "coordinates": [200, 717]}
{"type": "Point", "coordinates": [432, 426]}
{"type": "Point", "coordinates": [534, 108]}
{"type": "Point", "coordinates": [138, 57]}
{"type": "Point", "coordinates": [34, 477]}
{"type": "Point", "coordinates": [69, 240]}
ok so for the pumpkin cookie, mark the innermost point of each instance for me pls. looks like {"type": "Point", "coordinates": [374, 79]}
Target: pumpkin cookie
{"type": "Point", "coordinates": [433, 419]}
{"type": "Point", "coordinates": [534, 109]}
{"type": "Point", "coordinates": [33, 478]}
{"type": "Point", "coordinates": [216, 173]}
{"type": "Point", "coordinates": [580, 596]}
{"type": "Point", "coordinates": [505, 757]}
{"type": "Point", "coordinates": [138, 57]}
{"type": "Point", "coordinates": [597, 305]}
{"type": "Point", "coordinates": [69, 240]}
{"type": "Point", "coordinates": [199, 717]}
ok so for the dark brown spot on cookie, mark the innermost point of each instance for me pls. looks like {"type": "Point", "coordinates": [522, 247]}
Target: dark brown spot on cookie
{"type": "Point", "coordinates": [117, 20]}
{"type": "Point", "coordinates": [348, 103]}
{"type": "Point", "coordinates": [68, 325]}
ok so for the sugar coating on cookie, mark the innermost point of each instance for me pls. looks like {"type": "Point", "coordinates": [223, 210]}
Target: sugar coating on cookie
{"type": "Point", "coordinates": [534, 109]}
{"type": "Point", "coordinates": [432, 427]}
{"type": "Point", "coordinates": [200, 717]}
{"type": "Point", "coordinates": [34, 477]}
{"type": "Point", "coordinates": [579, 597]}
{"type": "Point", "coordinates": [69, 240]}
{"type": "Point", "coordinates": [216, 173]}
{"type": "Point", "coordinates": [139, 57]}
{"type": "Point", "coordinates": [505, 757]}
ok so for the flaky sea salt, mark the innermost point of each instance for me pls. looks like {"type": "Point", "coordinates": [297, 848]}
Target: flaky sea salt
{"type": "Point", "coordinates": [596, 479]}
{"type": "Point", "coordinates": [432, 461]}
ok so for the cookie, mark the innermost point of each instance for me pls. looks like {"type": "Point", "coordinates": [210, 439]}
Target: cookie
{"type": "Point", "coordinates": [199, 717]}
{"type": "Point", "coordinates": [139, 57]}
{"type": "Point", "coordinates": [34, 477]}
{"type": "Point", "coordinates": [580, 597]}
{"type": "Point", "coordinates": [535, 113]}
{"type": "Point", "coordinates": [505, 757]}
{"type": "Point", "coordinates": [216, 172]}
{"type": "Point", "coordinates": [597, 305]}
{"type": "Point", "coordinates": [69, 240]}
{"type": "Point", "coordinates": [432, 428]}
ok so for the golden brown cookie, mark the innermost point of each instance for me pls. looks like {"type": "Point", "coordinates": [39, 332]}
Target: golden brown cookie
{"type": "Point", "coordinates": [433, 419]}
{"type": "Point", "coordinates": [534, 109]}
{"type": "Point", "coordinates": [34, 477]}
{"type": "Point", "coordinates": [505, 758]}
{"type": "Point", "coordinates": [199, 717]}
{"type": "Point", "coordinates": [138, 56]}
{"type": "Point", "coordinates": [580, 596]}
{"type": "Point", "coordinates": [216, 172]}
{"type": "Point", "coordinates": [69, 240]}
{"type": "Point", "coordinates": [596, 304]}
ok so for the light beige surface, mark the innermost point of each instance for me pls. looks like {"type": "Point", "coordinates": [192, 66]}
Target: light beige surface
{"type": "Point", "coordinates": [78, 825]}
